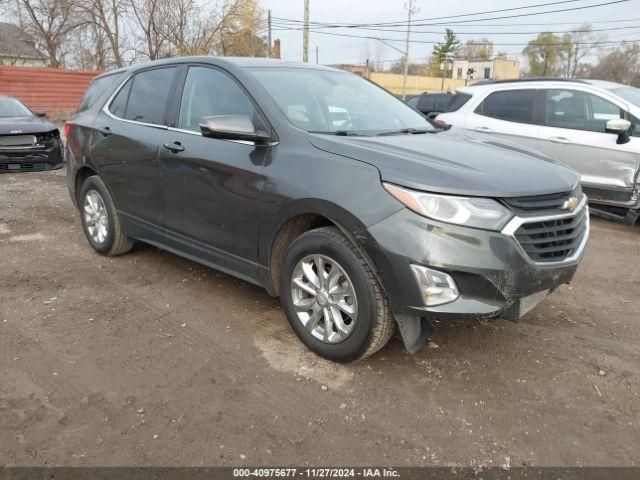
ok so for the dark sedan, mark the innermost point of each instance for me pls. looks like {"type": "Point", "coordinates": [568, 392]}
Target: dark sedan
{"type": "Point", "coordinates": [27, 141]}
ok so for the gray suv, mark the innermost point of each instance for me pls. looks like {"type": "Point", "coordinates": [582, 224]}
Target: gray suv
{"type": "Point", "coordinates": [325, 190]}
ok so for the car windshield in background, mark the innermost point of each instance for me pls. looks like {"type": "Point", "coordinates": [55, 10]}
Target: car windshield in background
{"type": "Point", "coordinates": [321, 101]}
{"type": "Point", "coordinates": [630, 94]}
{"type": "Point", "coordinates": [10, 107]}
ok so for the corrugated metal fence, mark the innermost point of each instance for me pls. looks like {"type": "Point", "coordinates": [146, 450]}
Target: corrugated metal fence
{"type": "Point", "coordinates": [51, 90]}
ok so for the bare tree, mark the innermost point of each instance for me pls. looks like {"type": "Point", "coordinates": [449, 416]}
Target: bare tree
{"type": "Point", "coordinates": [106, 17]}
{"type": "Point", "coordinates": [579, 45]}
{"type": "Point", "coordinates": [620, 65]}
{"type": "Point", "coordinates": [476, 50]}
{"type": "Point", "coordinates": [236, 29]}
{"type": "Point", "coordinates": [150, 18]}
{"type": "Point", "coordinates": [187, 30]}
{"type": "Point", "coordinates": [50, 23]}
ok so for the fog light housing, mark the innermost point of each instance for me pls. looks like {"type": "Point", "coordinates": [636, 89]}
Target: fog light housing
{"type": "Point", "coordinates": [436, 287]}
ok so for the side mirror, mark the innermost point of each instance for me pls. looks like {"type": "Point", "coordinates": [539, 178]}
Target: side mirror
{"type": "Point", "coordinates": [620, 127]}
{"type": "Point", "coordinates": [40, 114]}
{"type": "Point", "coordinates": [232, 127]}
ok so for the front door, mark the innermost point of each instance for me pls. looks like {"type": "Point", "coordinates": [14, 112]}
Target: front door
{"type": "Point", "coordinates": [574, 133]}
{"type": "Point", "coordinates": [211, 187]}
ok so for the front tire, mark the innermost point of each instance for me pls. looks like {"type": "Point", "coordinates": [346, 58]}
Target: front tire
{"type": "Point", "coordinates": [332, 298]}
{"type": "Point", "coordinates": [100, 219]}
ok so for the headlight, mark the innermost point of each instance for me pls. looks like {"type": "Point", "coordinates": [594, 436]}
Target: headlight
{"type": "Point", "coordinates": [476, 212]}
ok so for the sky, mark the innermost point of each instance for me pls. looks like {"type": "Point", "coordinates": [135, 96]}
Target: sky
{"type": "Point", "coordinates": [335, 49]}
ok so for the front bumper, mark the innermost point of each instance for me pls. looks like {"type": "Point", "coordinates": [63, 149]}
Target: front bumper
{"type": "Point", "coordinates": [31, 159]}
{"type": "Point", "coordinates": [493, 273]}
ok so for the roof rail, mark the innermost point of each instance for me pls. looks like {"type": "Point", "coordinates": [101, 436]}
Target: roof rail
{"type": "Point", "coordinates": [533, 79]}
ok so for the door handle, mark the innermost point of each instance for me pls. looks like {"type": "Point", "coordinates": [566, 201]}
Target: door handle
{"type": "Point", "coordinates": [483, 129]}
{"type": "Point", "coordinates": [561, 140]}
{"type": "Point", "coordinates": [105, 131]}
{"type": "Point", "coordinates": [174, 147]}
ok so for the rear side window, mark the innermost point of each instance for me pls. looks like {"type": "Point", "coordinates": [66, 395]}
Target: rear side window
{"type": "Point", "coordinates": [457, 101]}
{"type": "Point", "coordinates": [119, 104]}
{"type": "Point", "coordinates": [95, 90]}
{"type": "Point", "coordinates": [509, 105]}
{"type": "Point", "coordinates": [149, 94]}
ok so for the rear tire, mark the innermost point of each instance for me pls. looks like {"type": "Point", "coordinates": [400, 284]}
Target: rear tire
{"type": "Point", "coordinates": [350, 293]}
{"type": "Point", "coordinates": [100, 219]}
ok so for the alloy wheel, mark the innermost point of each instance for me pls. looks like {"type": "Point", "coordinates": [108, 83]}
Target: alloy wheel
{"type": "Point", "coordinates": [95, 217]}
{"type": "Point", "coordinates": [324, 298]}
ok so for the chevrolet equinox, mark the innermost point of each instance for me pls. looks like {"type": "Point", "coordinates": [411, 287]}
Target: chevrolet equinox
{"type": "Point", "coordinates": [325, 190]}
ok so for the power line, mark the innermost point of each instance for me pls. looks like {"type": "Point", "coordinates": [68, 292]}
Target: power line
{"type": "Point", "coordinates": [334, 25]}
{"type": "Point", "coordinates": [577, 30]}
{"type": "Point", "coordinates": [453, 16]}
{"type": "Point", "coordinates": [434, 42]}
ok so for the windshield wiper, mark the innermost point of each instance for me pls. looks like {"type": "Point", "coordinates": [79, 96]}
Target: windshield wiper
{"type": "Point", "coordinates": [413, 131]}
{"type": "Point", "coordinates": [341, 133]}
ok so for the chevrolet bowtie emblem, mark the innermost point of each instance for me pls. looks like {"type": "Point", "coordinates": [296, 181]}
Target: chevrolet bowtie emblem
{"type": "Point", "coordinates": [570, 204]}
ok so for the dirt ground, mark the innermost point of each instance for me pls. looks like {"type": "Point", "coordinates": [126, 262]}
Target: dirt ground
{"type": "Point", "coordinates": [149, 359]}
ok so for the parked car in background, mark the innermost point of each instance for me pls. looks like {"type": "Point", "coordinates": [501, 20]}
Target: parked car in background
{"type": "Point", "coordinates": [326, 190]}
{"type": "Point", "coordinates": [430, 104]}
{"type": "Point", "coordinates": [27, 141]}
{"type": "Point", "coordinates": [590, 125]}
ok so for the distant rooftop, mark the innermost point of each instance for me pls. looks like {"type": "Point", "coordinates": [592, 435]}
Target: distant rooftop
{"type": "Point", "coordinates": [15, 42]}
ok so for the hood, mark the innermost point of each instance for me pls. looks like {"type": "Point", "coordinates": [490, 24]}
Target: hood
{"type": "Point", "coordinates": [455, 162]}
{"type": "Point", "coordinates": [18, 125]}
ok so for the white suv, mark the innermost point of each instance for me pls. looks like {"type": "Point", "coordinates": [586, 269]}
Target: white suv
{"type": "Point", "coordinates": [592, 126]}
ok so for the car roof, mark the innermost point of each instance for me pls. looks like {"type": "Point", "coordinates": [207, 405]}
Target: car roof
{"type": "Point", "coordinates": [239, 62]}
{"type": "Point", "coordinates": [485, 85]}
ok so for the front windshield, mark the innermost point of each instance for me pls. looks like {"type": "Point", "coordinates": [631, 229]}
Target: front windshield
{"type": "Point", "coordinates": [322, 101]}
{"type": "Point", "coordinates": [630, 94]}
{"type": "Point", "coordinates": [10, 107]}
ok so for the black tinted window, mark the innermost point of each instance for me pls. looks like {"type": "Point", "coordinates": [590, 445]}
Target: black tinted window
{"type": "Point", "coordinates": [209, 92]}
{"type": "Point", "coordinates": [427, 103]}
{"type": "Point", "coordinates": [119, 104]}
{"type": "Point", "coordinates": [442, 100]}
{"type": "Point", "coordinates": [457, 101]}
{"type": "Point", "coordinates": [148, 95]}
{"type": "Point", "coordinates": [510, 105]}
{"type": "Point", "coordinates": [95, 90]}
{"type": "Point", "coordinates": [579, 110]}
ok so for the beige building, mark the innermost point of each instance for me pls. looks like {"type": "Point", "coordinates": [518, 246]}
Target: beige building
{"type": "Point", "coordinates": [497, 69]}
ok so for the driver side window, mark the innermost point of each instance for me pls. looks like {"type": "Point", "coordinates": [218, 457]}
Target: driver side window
{"type": "Point", "coordinates": [208, 92]}
{"type": "Point", "coordinates": [578, 110]}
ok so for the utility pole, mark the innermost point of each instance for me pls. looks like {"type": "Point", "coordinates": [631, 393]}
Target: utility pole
{"type": "Point", "coordinates": [270, 52]}
{"type": "Point", "coordinates": [406, 51]}
{"type": "Point", "coordinates": [317, 55]}
{"type": "Point", "coordinates": [305, 33]}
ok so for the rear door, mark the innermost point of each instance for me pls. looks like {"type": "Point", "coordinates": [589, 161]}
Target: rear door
{"type": "Point", "coordinates": [574, 133]}
{"type": "Point", "coordinates": [508, 114]}
{"type": "Point", "coordinates": [129, 132]}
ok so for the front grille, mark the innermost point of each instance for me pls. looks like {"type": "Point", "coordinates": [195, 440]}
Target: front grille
{"type": "Point", "coordinates": [553, 240]}
{"type": "Point", "coordinates": [21, 167]}
{"type": "Point", "coordinates": [542, 203]}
